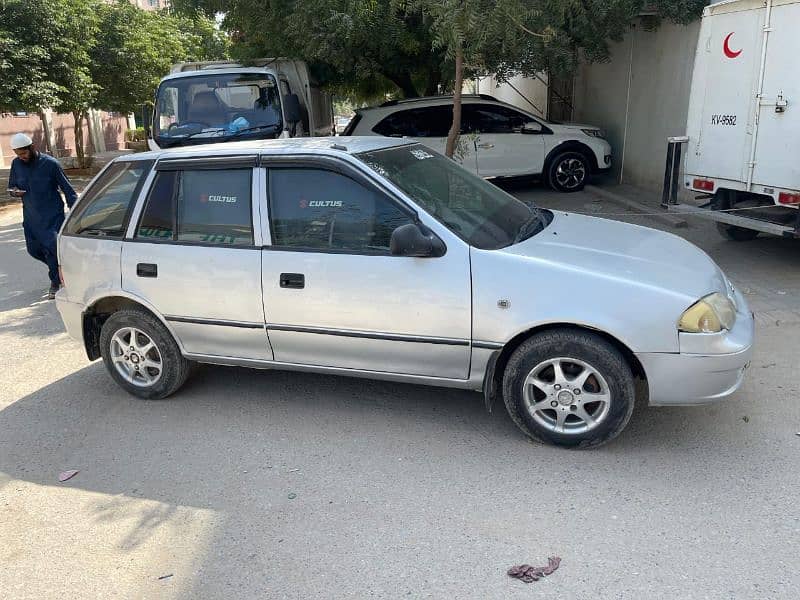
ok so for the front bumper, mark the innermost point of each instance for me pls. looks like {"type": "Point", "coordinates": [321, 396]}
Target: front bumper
{"type": "Point", "coordinates": [709, 367]}
{"type": "Point", "coordinates": [72, 315]}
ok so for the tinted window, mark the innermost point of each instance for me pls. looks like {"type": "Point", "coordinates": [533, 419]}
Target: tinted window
{"type": "Point", "coordinates": [486, 118]}
{"type": "Point", "coordinates": [214, 207]}
{"type": "Point", "coordinates": [158, 218]}
{"type": "Point", "coordinates": [433, 121]}
{"type": "Point", "coordinates": [103, 210]}
{"type": "Point", "coordinates": [318, 209]}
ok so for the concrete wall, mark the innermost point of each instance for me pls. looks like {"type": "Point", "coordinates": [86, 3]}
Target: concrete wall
{"type": "Point", "coordinates": [641, 97]}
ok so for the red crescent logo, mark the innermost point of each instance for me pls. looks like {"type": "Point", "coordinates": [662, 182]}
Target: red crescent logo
{"type": "Point", "coordinates": [726, 46]}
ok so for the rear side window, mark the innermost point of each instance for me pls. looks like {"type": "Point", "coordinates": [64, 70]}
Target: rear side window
{"type": "Point", "coordinates": [106, 206]}
{"type": "Point", "coordinates": [208, 207]}
{"type": "Point", "coordinates": [432, 121]}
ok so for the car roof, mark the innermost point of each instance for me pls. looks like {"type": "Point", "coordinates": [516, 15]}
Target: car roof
{"type": "Point", "coordinates": [316, 145]}
{"type": "Point", "coordinates": [409, 103]}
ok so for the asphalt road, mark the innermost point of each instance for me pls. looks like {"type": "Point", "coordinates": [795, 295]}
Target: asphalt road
{"type": "Point", "coordinates": [258, 484]}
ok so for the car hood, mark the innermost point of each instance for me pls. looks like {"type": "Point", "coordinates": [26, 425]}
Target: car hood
{"type": "Point", "coordinates": [632, 255]}
{"type": "Point", "coordinates": [577, 126]}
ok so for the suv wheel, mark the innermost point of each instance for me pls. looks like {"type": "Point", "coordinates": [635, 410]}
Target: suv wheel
{"type": "Point", "coordinates": [569, 388]}
{"type": "Point", "coordinates": [568, 172]}
{"type": "Point", "coordinates": [141, 355]}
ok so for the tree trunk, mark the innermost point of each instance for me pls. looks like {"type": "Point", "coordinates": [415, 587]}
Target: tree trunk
{"type": "Point", "coordinates": [433, 81]}
{"type": "Point", "coordinates": [80, 152]}
{"type": "Point", "coordinates": [455, 129]}
{"type": "Point", "coordinates": [403, 81]}
{"type": "Point", "coordinates": [48, 134]}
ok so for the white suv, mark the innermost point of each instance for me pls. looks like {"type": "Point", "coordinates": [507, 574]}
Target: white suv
{"type": "Point", "coordinates": [497, 139]}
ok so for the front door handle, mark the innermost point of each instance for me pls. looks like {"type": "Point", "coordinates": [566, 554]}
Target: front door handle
{"type": "Point", "coordinates": [486, 146]}
{"type": "Point", "coordinates": [147, 270]}
{"type": "Point", "coordinates": [295, 281]}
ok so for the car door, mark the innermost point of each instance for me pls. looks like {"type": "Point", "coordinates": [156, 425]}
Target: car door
{"type": "Point", "coordinates": [194, 255]}
{"type": "Point", "coordinates": [503, 147]}
{"type": "Point", "coordinates": [334, 296]}
{"type": "Point", "coordinates": [430, 126]}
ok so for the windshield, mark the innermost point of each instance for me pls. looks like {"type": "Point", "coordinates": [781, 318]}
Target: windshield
{"type": "Point", "coordinates": [478, 212]}
{"type": "Point", "coordinates": [216, 108]}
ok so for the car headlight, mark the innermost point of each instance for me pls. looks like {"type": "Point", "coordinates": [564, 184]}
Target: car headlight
{"type": "Point", "coordinates": [594, 133]}
{"type": "Point", "coordinates": [712, 314]}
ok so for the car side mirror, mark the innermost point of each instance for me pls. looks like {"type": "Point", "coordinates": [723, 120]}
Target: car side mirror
{"type": "Point", "coordinates": [416, 240]}
{"type": "Point", "coordinates": [531, 128]}
{"type": "Point", "coordinates": [291, 108]}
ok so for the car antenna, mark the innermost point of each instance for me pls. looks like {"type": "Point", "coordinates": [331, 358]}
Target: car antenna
{"type": "Point", "coordinates": [339, 147]}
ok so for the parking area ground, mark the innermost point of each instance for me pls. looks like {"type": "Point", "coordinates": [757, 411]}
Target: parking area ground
{"type": "Point", "coordinates": [260, 484]}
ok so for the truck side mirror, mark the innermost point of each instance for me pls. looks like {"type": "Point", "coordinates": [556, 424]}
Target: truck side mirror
{"type": "Point", "coordinates": [291, 108]}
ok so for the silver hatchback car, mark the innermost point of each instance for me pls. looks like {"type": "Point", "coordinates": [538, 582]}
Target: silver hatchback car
{"type": "Point", "coordinates": [385, 260]}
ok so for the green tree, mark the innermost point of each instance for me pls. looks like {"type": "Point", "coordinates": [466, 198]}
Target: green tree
{"type": "Point", "coordinates": [134, 49]}
{"type": "Point", "coordinates": [364, 48]}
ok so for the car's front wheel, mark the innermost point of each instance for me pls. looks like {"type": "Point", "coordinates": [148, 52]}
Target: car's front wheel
{"type": "Point", "coordinates": [569, 388]}
{"type": "Point", "coordinates": [141, 355]}
{"type": "Point", "coordinates": [568, 172]}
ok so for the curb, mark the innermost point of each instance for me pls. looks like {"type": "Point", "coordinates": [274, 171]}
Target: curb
{"type": "Point", "coordinates": [670, 220]}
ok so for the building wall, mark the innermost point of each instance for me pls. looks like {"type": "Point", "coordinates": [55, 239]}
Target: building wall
{"type": "Point", "coordinates": [530, 94]}
{"type": "Point", "coordinates": [63, 131]}
{"type": "Point", "coordinates": [640, 97]}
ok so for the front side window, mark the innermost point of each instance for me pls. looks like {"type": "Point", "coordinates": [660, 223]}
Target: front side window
{"type": "Point", "coordinates": [200, 206]}
{"type": "Point", "coordinates": [104, 208]}
{"type": "Point", "coordinates": [216, 108]}
{"type": "Point", "coordinates": [480, 213]}
{"type": "Point", "coordinates": [318, 209]}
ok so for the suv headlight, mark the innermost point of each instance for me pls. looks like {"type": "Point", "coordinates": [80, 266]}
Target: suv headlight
{"type": "Point", "coordinates": [594, 133]}
{"type": "Point", "coordinates": [712, 314]}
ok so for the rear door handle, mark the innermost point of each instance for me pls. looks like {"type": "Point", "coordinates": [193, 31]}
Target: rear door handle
{"type": "Point", "coordinates": [486, 146]}
{"type": "Point", "coordinates": [295, 281]}
{"type": "Point", "coordinates": [147, 270]}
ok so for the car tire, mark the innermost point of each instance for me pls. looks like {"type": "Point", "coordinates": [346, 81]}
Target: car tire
{"type": "Point", "coordinates": [141, 355]}
{"type": "Point", "coordinates": [723, 200]}
{"type": "Point", "coordinates": [568, 172]}
{"type": "Point", "coordinates": [586, 404]}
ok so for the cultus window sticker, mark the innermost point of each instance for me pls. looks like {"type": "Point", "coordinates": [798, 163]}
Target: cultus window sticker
{"type": "Point", "coordinates": [321, 204]}
{"type": "Point", "coordinates": [219, 198]}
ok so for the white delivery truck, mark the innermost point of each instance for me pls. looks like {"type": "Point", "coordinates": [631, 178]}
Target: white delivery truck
{"type": "Point", "coordinates": [207, 102]}
{"type": "Point", "coordinates": [743, 138]}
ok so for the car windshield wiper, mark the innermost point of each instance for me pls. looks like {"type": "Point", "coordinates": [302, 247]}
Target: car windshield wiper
{"type": "Point", "coordinates": [254, 128]}
{"type": "Point", "coordinates": [532, 226]}
{"type": "Point", "coordinates": [169, 142]}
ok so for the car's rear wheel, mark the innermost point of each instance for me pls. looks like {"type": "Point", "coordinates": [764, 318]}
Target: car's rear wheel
{"type": "Point", "coordinates": [141, 355]}
{"type": "Point", "coordinates": [568, 172]}
{"type": "Point", "coordinates": [569, 388]}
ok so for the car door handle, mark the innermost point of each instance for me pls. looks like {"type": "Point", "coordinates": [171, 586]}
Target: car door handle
{"type": "Point", "coordinates": [295, 281]}
{"type": "Point", "coordinates": [486, 146]}
{"type": "Point", "coordinates": [147, 270]}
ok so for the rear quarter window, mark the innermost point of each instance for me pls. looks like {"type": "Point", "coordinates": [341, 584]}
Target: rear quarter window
{"type": "Point", "coordinates": [106, 206]}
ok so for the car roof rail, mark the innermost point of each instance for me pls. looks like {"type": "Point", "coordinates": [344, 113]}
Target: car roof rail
{"type": "Point", "coordinates": [440, 97]}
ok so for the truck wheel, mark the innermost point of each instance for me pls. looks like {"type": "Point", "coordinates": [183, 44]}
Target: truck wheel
{"type": "Point", "coordinates": [141, 355]}
{"type": "Point", "coordinates": [723, 200]}
{"type": "Point", "coordinates": [568, 172]}
{"type": "Point", "coordinates": [569, 388]}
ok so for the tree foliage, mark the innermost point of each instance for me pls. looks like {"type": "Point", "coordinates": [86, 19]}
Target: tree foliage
{"type": "Point", "coordinates": [75, 55]}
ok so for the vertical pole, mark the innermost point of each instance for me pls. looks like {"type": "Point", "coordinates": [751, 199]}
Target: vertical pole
{"type": "Point", "coordinates": [676, 170]}
{"type": "Point", "coordinates": [666, 193]}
